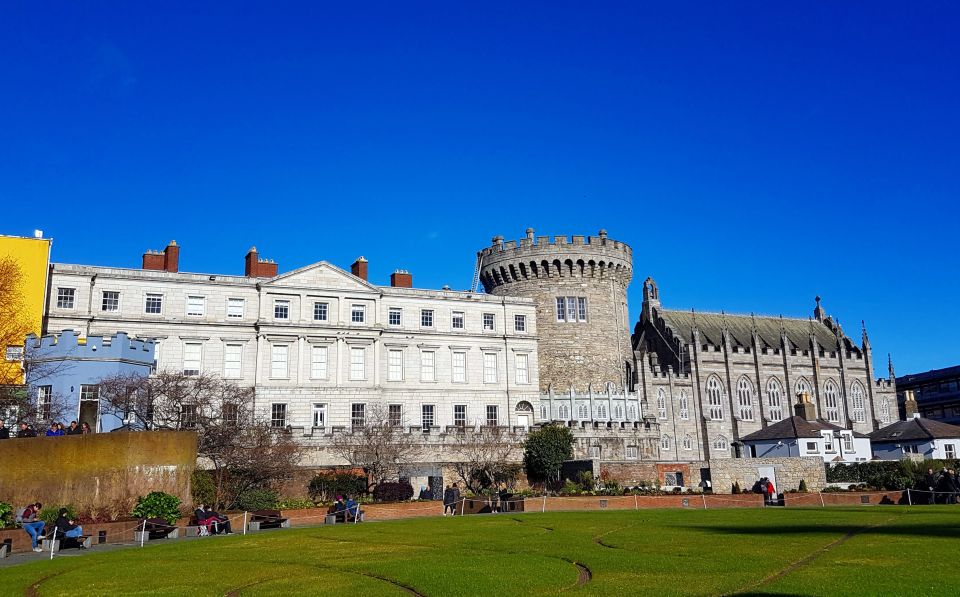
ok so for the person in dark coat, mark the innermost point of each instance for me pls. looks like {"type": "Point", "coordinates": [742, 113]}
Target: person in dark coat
{"type": "Point", "coordinates": [221, 523]}
{"type": "Point", "coordinates": [67, 527]}
{"type": "Point", "coordinates": [26, 431]}
{"type": "Point", "coordinates": [73, 429]}
{"type": "Point", "coordinates": [454, 498]}
{"type": "Point", "coordinates": [944, 486]}
{"type": "Point", "coordinates": [930, 485]}
{"type": "Point", "coordinates": [4, 432]}
{"type": "Point", "coordinates": [447, 500]}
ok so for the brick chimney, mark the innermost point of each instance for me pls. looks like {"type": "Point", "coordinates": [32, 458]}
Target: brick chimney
{"type": "Point", "coordinates": [359, 268]}
{"type": "Point", "coordinates": [804, 408]}
{"type": "Point", "coordinates": [166, 260]}
{"type": "Point", "coordinates": [254, 267]}
{"type": "Point", "coordinates": [401, 279]}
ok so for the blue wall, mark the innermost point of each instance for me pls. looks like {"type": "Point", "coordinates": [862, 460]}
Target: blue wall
{"type": "Point", "coordinates": [890, 451]}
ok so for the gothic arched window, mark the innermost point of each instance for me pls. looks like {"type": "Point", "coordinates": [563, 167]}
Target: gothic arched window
{"type": "Point", "coordinates": [856, 398]}
{"type": "Point", "coordinates": [884, 410]}
{"type": "Point", "coordinates": [745, 398]}
{"type": "Point", "coordinates": [720, 443]}
{"type": "Point", "coordinates": [665, 442]}
{"type": "Point", "coordinates": [687, 442]}
{"type": "Point", "coordinates": [583, 411]}
{"type": "Point", "coordinates": [775, 399]}
{"type": "Point", "coordinates": [661, 404]}
{"type": "Point", "coordinates": [831, 401]}
{"type": "Point", "coordinates": [684, 406]}
{"type": "Point", "coordinates": [564, 412]}
{"type": "Point", "coordinates": [715, 398]}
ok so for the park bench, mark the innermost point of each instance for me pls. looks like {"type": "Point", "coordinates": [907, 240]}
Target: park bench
{"type": "Point", "coordinates": [267, 519]}
{"type": "Point", "coordinates": [156, 528]}
{"type": "Point", "coordinates": [83, 541]}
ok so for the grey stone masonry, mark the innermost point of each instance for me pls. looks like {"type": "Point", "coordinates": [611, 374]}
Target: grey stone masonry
{"type": "Point", "coordinates": [788, 472]}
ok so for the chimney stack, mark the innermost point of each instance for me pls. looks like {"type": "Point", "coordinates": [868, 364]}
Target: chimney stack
{"type": "Point", "coordinates": [804, 408]}
{"type": "Point", "coordinates": [401, 279]}
{"type": "Point", "coordinates": [910, 410]}
{"type": "Point", "coordinates": [167, 260]}
{"type": "Point", "coordinates": [359, 268]}
{"type": "Point", "coordinates": [254, 267]}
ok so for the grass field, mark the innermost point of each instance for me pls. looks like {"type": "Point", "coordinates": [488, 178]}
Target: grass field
{"type": "Point", "coordinates": [867, 550]}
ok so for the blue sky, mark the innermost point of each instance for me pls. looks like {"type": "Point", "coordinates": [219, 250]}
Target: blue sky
{"type": "Point", "coordinates": [754, 154]}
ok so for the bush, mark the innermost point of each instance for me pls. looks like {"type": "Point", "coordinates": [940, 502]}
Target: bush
{"type": "Point", "coordinates": [803, 486]}
{"type": "Point", "coordinates": [544, 451]}
{"type": "Point", "coordinates": [736, 488]}
{"type": "Point", "coordinates": [50, 513]}
{"type": "Point", "coordinates": [158, 504]}
{"type": "Point", "coordinates": [397, 491]}
{"type": "Point", "coordinates": [327, 486]}
{"type": "Point", "coordinates": [202, 488]}
{"type": "Point", "coordinates": [258, 499]}
{"type": "Point", "coordinates": [6, 515]}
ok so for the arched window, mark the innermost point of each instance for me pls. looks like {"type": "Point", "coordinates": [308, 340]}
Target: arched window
{"type": "Point", "coordinates": [583, 411]}
{"type": "Point", "coordinates": [632, 412]}
{"type": "Point", "coordinates": [720, 443]}
{"type": "Point", "coordinates": [715, 398]}
{"type": "Point", "coordinates": [618, 411]}
{"type": "Point", "coordinates": [775, 399]}
{"type": "Point", "coordinates": [831, 401]}
{"type": "Point", "coordinates": [687, 442]}
{"type": "Point", "coordinates": [602, 410]}
{"type": "Point", "coordinates": [745, 399]}
{"type": "Point", "coordinates": [564, 412]}
{"type": "Point", "coordinates": [544, 412]}
{"type": "Point", "coordinates": [661, 404]}
{"type": "Point", "coordinates": [802, 387]}
{"type": "Point", "coordinates": [884, 410]}
{"type": "Point", "coordinates": [684, 406]}
{"type": "Point", "coordinates": [856, 398]}
{"type": "Point", "coordinates": [664, 442]}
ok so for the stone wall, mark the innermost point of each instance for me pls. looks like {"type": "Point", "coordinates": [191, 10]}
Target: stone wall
{"type": "Point", "coordinates": [789, 472]}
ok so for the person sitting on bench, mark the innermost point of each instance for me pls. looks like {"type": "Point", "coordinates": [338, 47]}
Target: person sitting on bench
{"type": "Point", "coordinates": [67, 527]}
{"type": "Point", "coordinates": [204, 522]}
{"type": "Point", "coordinates": [353, 509]}
{"type": "Point", "coordinates": [29, 519]}
{"type": "Point", "coordinates": [221, 523]}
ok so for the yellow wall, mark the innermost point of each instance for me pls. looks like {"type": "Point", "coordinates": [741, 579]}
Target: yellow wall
{"type": "Point", "coordinates": [33, 257]}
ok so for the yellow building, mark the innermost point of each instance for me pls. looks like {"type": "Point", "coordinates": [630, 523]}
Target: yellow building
{"type": "Point", "coordinates": [23, 289]}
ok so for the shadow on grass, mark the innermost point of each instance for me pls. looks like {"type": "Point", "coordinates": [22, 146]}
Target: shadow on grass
{"type": "Point", "coordinates": [951, 530]}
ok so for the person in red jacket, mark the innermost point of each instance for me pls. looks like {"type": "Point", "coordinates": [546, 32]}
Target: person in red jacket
{"type": "Point", "coordinates": [771, 492]}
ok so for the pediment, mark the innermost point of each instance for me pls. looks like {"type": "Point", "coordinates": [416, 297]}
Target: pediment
{"type": "Point", "coordinates": [320, 275]}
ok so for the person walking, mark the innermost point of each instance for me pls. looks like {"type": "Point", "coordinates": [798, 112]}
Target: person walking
{"type": "Point", "coordinates": [771, 492]}
{"type": "Point", "coordinates": [29, 519]}
{"type": "Point", "coordinates": [455, 498]}
{"type": "Point", "coordinates": [930, 484]}
{"type": "Point", "coordinates": [447, 499]}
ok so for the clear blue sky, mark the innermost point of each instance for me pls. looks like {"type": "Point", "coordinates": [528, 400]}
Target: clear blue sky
{"type": "Point", "coordinates": [753, 154]}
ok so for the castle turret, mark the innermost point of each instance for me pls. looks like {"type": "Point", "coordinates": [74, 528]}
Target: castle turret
{"type": "Point", "coordinates": [580, 286]}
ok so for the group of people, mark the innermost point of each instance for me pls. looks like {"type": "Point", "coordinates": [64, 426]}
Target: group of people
{"type": "Point", "coordinates": [765, 486]}
{"type": "Point", "coordinates": [211, 522]}
{"type": "Point", "coordinates": [451, 499]}
{"type": "Point", "coordinates": [346, 510]}
{"type": "Point", "coordinates": [56, 429]}
{"type": "Point", "coordinates": [65, 525]}
{"type": "Point", "coordinates": [943, 486]}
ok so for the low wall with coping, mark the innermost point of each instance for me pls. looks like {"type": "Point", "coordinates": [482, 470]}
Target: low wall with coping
{"type": "Point", "coordinates": [874, 498]}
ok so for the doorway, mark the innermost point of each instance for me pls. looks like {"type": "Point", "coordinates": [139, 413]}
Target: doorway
{"type": "Point", "coordinates": [90, 414]}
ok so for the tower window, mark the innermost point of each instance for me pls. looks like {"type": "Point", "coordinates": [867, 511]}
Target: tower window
{"type": "Point", "coordinates": [572, 309]}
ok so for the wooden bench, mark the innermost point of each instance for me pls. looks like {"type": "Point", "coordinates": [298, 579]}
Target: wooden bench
{"type": "Point", "coordinates": [267, 519]}
{"type": "Point", "coordinates": [156, 528]}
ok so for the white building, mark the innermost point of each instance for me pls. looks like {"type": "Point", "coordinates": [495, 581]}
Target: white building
{"type": "Point", "coordinates": [924, 437]}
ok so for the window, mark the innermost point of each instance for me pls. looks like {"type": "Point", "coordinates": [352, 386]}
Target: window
{"type": "Point", "coordinates": [395, 365]}
{"type": "Point", "coordinates": [153, 304]}
{"type": "Point", "coordinates": [428, 365]}
{"type": "Point", "coordinates": [358, 313]}
{"type": "Point", "coordinates": [950, 451]}
{"type": "Point", "coordinates": [684, 406]}
{"type": "Point", "coordinates": [520, 323]}
{"type": "Point", "coordinates": [456, 321]}
{"type": "Point", "coordinates": [830, 399]}
{"type": "Point", "coordinates": [192, 354]}
{"type": "Point", "coordinates": [687, 442]}
{"type": "Point", "coordinates": [318, 362]}
{"type": "Point", "coordinates": [395, 415]}
{"type": "Point", "coordinates": [426, 318]}
{"type": "Point", "coordinates": [278, 415]}
{"type": "Point", "coordinates": [828, 442]}
{"type": "Point", "coordinates": [802, 387]}
{"type": "Point", "coordinates": [544, 412]}
{"type": "Point", "coordinates": [66, 298]}
{"type": "Point", "coordinates": [493, 417]}
{"type": "Point", "coordinates": [188, 416]}
{"type": "Point", "coordinates": [358, 368]}
{"type": "Point", "coordinates": [427, 417]}
{"type": "Point", "coordinates": [583, 410]}
{"type": "Point", "coordinates": [14, 353]}
{"type": "Point", "coordinates": [319, 414]}
{"type": "Point", "coordinates": [856, 397]}
{"type": "Point", "coordinates": [230, 413]}
{"type": "Point", "coordinates": [460, 367]}
{"type": "Point", "coordinates": [45, 401]}
{"type": "Point", "coordinates": [745, 399]}
{"type": "Point", "coordinates": [632, 452]}
{"type": "Point", "coordinates": [632, 412]}
{"type": "Point", "coordinates": [561, 309]}
{"type": "Point", "coordinates": [234, 308]}
{"type": "Point", "coordinates": [911, 449]}
{"type": "Point", "coordinates": [460, 415]}
{"type": "Point", "coordinates": [195, 306]}
{"type": "Point", "coordinates": [358, 416]}
{"type": "Point", "coordinates": [281, 309]}
{"type": "Point", "coordinates": [489, 367]}
{"type": "Point", "coordinates": [394, 316]}
{"type": "Point", "coordinates": [720, 443]}
{"type": "Point", "coordinates": [320, 311]}
{"type": "Point", "coordinates": [715, 398]}
{"type": "Point", "coordinates": [848, 442]}
{"type": "Point", "coordinates": [582, 308]}
{"type": "Point", "coordinates": [594, 451]}
{"type": "Point", "coordinates": [811, 446]}
{"type": "Point", "coordinates": [89, 392]}
{"type": "Point", "coordinates": [111, 301]}
{"type": "Point", "coordinates": [488, 322]}
{"type": "Point", "coordinates": [522, 368]}
{"type": "Point", "coordinates": [665, 442]}
{"type": "Point", "coordinates": [618, 411]}
{"type": "Point", "coordinates": [661, 404]}
{"type": "Point", "coordinates": [775, 399]}
{"type": "Point", "coordinates": [885, 410]}
{"type": "Point", "coordinates": [278, 360]}
{"type": "Point", "coordinates": [571, 308]}
{"type": "Point", "coordinates": [563, 411]}
{"type": "Point", "coordinates": [232, 361]}
{"type": "Point", "coordinates": [602, 410]}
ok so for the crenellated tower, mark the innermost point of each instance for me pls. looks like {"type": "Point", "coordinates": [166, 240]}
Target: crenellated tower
{"type": "Point", "coordinates": [580, 287]}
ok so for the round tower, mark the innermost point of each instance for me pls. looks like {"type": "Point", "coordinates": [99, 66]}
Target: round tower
{"type": "Point", "coordinates": [580, 287]}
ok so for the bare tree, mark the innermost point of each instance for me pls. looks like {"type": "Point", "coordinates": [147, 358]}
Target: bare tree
{"type": "Point", "coordinates": [486, 457]}
{"type": "Point", "coordinates": [379, 446]}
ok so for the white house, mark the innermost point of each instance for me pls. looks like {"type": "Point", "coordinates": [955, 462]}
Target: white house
{"type": "Point", "coordinates": [929, 438]}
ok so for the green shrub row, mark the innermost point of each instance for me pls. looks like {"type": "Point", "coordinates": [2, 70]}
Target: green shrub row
{"type": "Point", "coordinates": [886, 474]}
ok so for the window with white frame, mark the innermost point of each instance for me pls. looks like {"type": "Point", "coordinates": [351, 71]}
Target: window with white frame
{"type": "Point", "coordinates": [45, 402]}
{"type": "Point", "coordinates": [426, 318]}
{"type": "Point", "coordinates": [745, 398]}
{"type": "Point", "coordinates": [493, 415]}
{"type": "Point", "coordinates": [632, 452]}
{"type": "Point", "coordinates": [583, 410]}
{"type": "Point", "coordinates": [594, 451]}
{"type": "Point", "coordinates": [110, 301]}
{"type": "Point", "coordinates": [319, 414]}
{"type": "Point", "coordinates": [235, 308]}
{"type": "Point", "coordinates": [661, 404]}
{"type": "Point", "coordinates": [802, 387]}
{"type": "Point", "coordinates": [950, 451]}
{"type": "Point", "coordinates": [394, 316]}
{"type": "Point", "coordinates": [489, 367]}
{"type": "Point", "coordinates": [278, 415]}
{"type": "Point", "coordinates": [715, 398]}
{"type": "Point", "coordinates": [684, 406]}
{"type": "Point", "coordinates": [831, 401]}
{"type": "Point", "coordinates": [775, 399]}
{"type": "Point", "coordinates": [519, 323]}
{"type": "Point", "coordinates": [153, 304]}
{"type": "Point", "coordinates": [460, 415]}
{"type": "Point", "coordinates": [358, 313]}
{"type": "Point", "coordinates": [192, 355]}
{"type": "Point", "coordinates": [358, 365]}
{"type": "Point", "coordinates": [544, 411]}
{"type": "Point", "coordinates": [281, 309]}
{"type": "Point", "coordinates": [720, 443]}
{"type": "Point", "coordinates": [14, 353]}
{"type": "Point", "coordinates": [321, 310]}
{"type": "Point", "coordinates": [279, 354]}
{"type": "Point", "coordinates": [856, 398]}
{"type": "Point", "coordinates": [427, 419]}
{"type": "Point", "coordinates": [428, 365]}
{"type": "Point", "coordinates": [358, 415]}
{"type": "Point", "coordinates": [395, 414]}
{"type": "Point", "coordinates": [456, 320]}
{"type": "Point", "coordinates": [66, 298]}
{"type": "Point", "coordinates": [523, 368]}
{"type": "Point", "coordinates": [571, 308]}
{"type": "Point", "coordinates": [563, 411]}
{"type": "Point", "coordinates": [687, 442]}
{"type": "Point", "coordinates": [632, 412]}
{"type": "Point", "coordinates": [828, 442]}
{"type": "Point", "coordinates": [847, 442]}
{"type": "Point", "coordinates": [488, 322]}
{"type": "Point", "coordinates": [232, 361]}
{"type": "Point", "coordinates": [618, 411]}
{"type": "Point", "coordinates": [230, 414]}
{"type": "Point", "coordinates": [812, 447]}
{"type": "Point", "coordinates": [602, 410]}
{"type": "Point", "coordinates": [459, 366]}
{"type": "Point", "coordinates": [318, 361]}
{"type": "Point", "coordinates": [196, 305]}
{"type": "Point", "coordinates": [664, 442]}
{"type": "Point", "coordinates": [395, 364]}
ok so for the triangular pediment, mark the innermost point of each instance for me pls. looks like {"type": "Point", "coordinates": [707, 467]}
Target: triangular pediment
{"type": "Point", "coordinates": [320, 275]}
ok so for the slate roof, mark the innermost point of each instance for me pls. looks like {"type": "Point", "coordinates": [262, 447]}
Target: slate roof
{"type": "Point", "coordinates": [793, 428]}
{"type": "Point", "coordinates": [915, 429]}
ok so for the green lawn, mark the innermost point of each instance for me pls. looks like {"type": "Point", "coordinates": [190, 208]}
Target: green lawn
{"type": "Point", "coordinates": [872, 550]}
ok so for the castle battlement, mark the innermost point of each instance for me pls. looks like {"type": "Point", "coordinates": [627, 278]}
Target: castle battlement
{"type": "Point", "coordinates": [552, 246]}
{"type": "Point", "coordinates": [68, 345]}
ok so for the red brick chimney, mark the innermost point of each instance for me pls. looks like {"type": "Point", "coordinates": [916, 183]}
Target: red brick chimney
{"type": "Point", "coordinates": [359, 268]}
{"type": "Point", "coordinates": [166, 260]}
{"type": "Point", "coordinates": [401, 279]}
{"type": "Point", "coordinates": [254, 267]}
